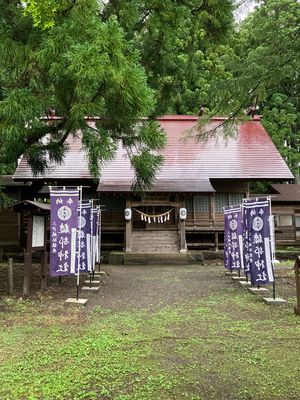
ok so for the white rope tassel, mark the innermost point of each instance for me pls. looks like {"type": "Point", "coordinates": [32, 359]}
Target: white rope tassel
{"type": "Point", "coordinates": [142, 217]}
{"type": "Point", "coordinates": [154, 219]}
{"type": "Point", "coordinates": [168, 216]}
{"type": "Point", "coordinates": [149, 220]}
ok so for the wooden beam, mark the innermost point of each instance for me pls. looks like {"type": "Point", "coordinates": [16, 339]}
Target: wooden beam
{"type": "Point", "coordinates": [156, 203]}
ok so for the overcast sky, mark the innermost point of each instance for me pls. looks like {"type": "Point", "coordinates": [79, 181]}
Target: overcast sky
{"type": "Point", "coordinates": [244, 10]}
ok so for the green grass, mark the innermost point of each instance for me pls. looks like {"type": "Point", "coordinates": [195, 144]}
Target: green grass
{"type": "Point", "coordinates": [226, 346]}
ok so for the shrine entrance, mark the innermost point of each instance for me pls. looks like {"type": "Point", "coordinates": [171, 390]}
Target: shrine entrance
{"type": "Point", "coordinates": [155, 227]}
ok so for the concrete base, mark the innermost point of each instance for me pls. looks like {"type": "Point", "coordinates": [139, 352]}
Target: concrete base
{"type": "Point", "coordinates": [93, 289]}
{"type": "Point", "coordinates": [273, 302]}
{"type": "Point", "coordinates": [228, 273]}
{"type": "Point", "coordinates": [99, 273]}
{"type": "Point", "coordinates": [257, 290]}
{"type": "Point", "coordinates": [74, 301]}
{"type": "Point", "coordinates": [94, 282]}
{"type": "Point", "coordinates": [297, 310]}
{"type": "Point", "coordinates": [239, 278]}
{"type": "Point", "coordinates": [244, 284]}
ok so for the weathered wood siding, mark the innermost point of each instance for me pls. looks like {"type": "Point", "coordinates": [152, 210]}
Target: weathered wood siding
{"type": "Point", "coordinates": [286, 219]}
{"type": "Point", "coordinates": [9, 228]}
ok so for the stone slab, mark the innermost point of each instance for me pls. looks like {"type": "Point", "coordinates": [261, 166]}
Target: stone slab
{"type": "Point", "coordinates": [94, 282]}
{"type": "Point", "coordinates": [74, 301]}
{"type": "Point", "coordinates": [93, 289]}
{"type": "Point", "coordinates": [99, 273]}
{"type": "Point", "coordinates": [274, 302]}
{"type": "Point", "coordinates": [257, 290]}
{"type": "Point", "coordinates": [228, 273]}
{"type": "Point", "coordinates": [239, 278]}
{"type": "Point", "coordinates": [245, 284]}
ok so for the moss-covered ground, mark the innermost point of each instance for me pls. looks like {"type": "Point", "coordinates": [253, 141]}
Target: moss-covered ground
{"type": "Point", "coordinates": [210, 341]}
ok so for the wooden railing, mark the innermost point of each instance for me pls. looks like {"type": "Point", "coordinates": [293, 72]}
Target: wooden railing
{"type": "Point", "coordinates": [297, 276]}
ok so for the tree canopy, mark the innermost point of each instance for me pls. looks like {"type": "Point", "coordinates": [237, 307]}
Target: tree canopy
{"type": "Point", "coordinates": [263, 73]}
{"type": "Point", "coordinates": [122, 60]}
{"type": "Point", "coordinates": [81, 66]}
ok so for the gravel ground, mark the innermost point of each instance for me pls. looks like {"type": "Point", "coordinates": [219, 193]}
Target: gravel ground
{"type": "Point", "coordinates": [141, 287]}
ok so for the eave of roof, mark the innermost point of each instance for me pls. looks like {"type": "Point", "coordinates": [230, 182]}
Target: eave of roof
{"type": "Point", "coordinates": [21, 205]}
{"type": "Point", "coordinates": [286, 193]}
{"type": "Point", "coordinates": [168, 186]}
{"type": "Point", "coordinates": [7, 181]}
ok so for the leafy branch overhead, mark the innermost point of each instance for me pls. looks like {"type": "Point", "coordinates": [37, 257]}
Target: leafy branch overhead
{"type": "Point", "coordinates": [79, 66]}
{"type": "Point", "coordinates": [128, 61]}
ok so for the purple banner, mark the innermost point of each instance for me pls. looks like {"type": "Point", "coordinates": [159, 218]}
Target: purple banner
{"type": "Point", "coordinates": [233, 241]}
{"type": "Point", "coordinates": [85, 237]}
{"type": "Point", "coordinates": [63, 229]}
{"type": "Point", "coordinates": [257, 243]}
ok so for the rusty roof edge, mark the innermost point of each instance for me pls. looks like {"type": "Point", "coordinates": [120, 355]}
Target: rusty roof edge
{"type": "Point", "coordinates": [165, 118]}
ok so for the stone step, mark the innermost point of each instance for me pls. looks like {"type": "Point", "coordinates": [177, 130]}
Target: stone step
{"type": "Point", "coordinates": [155, 241]}
{"type": "Point", "coordinates": [157, 258]}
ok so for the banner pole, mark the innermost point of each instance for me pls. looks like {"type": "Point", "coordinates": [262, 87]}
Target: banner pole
{"type": "Point", "coordinates": [99, 236]}
{"type": "Point", "coordinates": [273, 249]}
{"type": "Point", "coordinates": [79, 235]}
{"type": "Point", "coordinates": [93, 240]}
{"type": "Point", "coordinates": [91, 243]}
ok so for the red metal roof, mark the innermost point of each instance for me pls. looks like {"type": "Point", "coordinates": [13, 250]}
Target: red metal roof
{"type": "Point", "coordinates": [74, 166]}
{"type": "Point", "coordinates": [249, 154]}
{"type": "Point", "coordinates": [286, 193]}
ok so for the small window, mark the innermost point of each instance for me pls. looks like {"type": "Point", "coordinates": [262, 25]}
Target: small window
{"type": "Point", "coordinates": [285, 220]}
{"type": "Point", "coordinates": [201, 203]}
{"type": "Point", "coordinates": [222, 200]}
{"type": "Point", "coordinates": [236, 198]}
{"type": "Point", "coordinates": [189, 206]}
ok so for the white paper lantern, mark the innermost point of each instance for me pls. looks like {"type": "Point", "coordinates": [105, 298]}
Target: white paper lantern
{"type": "Point", "coordinates": [182, 213]}
{"type": "Point", "coordinates": [128, 214]}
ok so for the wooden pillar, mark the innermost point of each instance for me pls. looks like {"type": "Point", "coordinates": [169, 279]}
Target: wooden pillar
{"type": "Point", "coordinates": [128, 236]}
{"type": "Point", "coordinates": [128, 233]}
{"type": "Point", "coordinates": [44, 269]}
{"type": "Point", "coordinates": [216, 241]}
{"type": "Point", "coordinates": [182, 237]}
{"type": "Point", "coordinates": [28, 259]}
{"type": "Point", "coordinates": [297, 276]}
{"type": "Point", "coordinates": [44, 259]}
{"type": "Point", "coordinates": [248, 190]}
{"type": "Point", "coordinates": [10, 277]}
{"type": "Point", "coordinates": [212, 209]}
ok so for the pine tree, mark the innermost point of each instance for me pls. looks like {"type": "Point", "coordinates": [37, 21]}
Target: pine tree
{"type": "Point", "coordinates": [77, 66]}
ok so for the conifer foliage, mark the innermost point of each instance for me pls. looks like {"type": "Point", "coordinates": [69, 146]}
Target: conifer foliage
{"type": "Point", "coordinates": [72, 64]}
